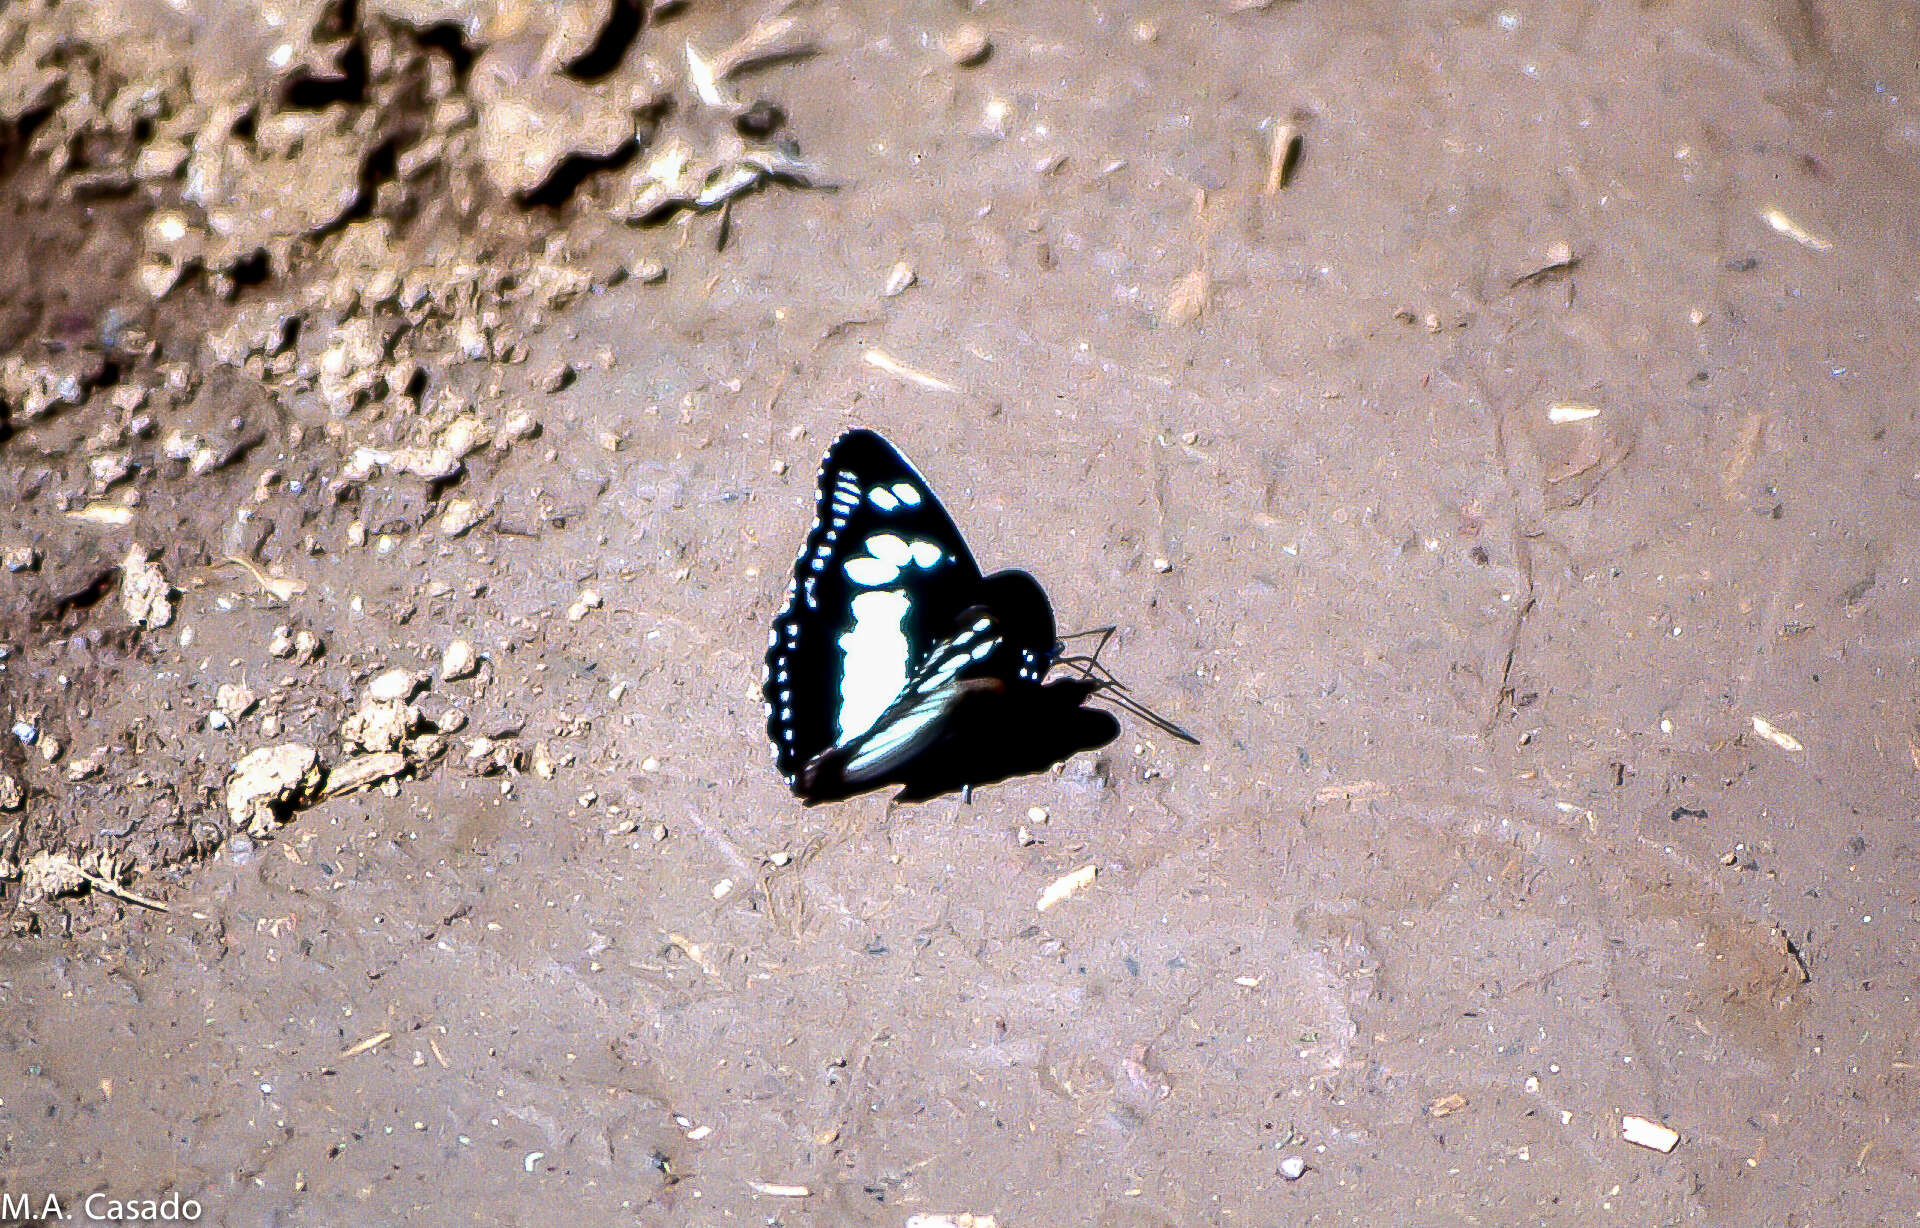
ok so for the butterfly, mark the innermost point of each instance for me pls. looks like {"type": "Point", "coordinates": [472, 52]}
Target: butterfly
{"type": "Point", "coordinates": [895, 661]}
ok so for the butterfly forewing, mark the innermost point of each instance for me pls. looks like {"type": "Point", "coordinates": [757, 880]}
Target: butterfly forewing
{"type": "Point", "coordinates": [880, 582]}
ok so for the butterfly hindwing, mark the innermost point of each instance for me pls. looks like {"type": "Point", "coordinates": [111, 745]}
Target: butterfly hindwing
{"type": "Point", "coordinates": [877, 587]}
{"type": "Point", "coordinates": [970, 660]}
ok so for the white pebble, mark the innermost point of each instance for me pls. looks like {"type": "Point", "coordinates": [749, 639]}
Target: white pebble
{"type": "Point", "coordinates": [394, 684]}
{"type": "Point", "coordinates": [458, 661]}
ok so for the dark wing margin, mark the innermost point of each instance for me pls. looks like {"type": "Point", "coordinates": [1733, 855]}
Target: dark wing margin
{"type": "Point", "coordinates": [865, 487]}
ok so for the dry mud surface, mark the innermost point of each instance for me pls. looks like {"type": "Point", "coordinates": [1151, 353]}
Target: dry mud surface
{"type": "Point", "coordinates": [1514, 483]}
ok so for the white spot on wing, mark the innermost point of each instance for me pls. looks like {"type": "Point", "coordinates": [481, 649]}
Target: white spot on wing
{"type": "Point", "coordinates": [905, 492]}
{"type": "Point", "coordinates": [873, 665]}
{"type": "Point", "coordinates": [927, 554]}
{"type": "Point", "coordinates": [889, 548]}
{"type": "Point", "coordinates": [871, 572]}
{"type": "Point", "coordinates": [883, 499]}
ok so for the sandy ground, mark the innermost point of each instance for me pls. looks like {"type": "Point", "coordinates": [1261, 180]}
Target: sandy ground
{"type": "Point", "coordinates": [1559, 764]}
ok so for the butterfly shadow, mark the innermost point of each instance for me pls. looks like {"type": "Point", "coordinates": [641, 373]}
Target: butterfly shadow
{"type": "Point", "coordinates": [1003, 735]}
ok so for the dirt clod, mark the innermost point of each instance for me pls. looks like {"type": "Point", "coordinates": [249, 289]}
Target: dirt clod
{"type": "Point", "coordinates": [268, 783]}
{"type": "Point", "coordinates": [145, 594]}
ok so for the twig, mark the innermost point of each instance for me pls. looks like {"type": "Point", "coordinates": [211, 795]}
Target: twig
{"type": "Point", "coordinates": [123, 893]}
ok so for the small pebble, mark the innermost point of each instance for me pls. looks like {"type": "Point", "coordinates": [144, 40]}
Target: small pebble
{"type": "Point", "coordinates": [458, 661]}
{"type": "Point", "coordinates": [967, 45]}
{"type": "Point", "coordinates": [394, 684]}
{"type": "Point", "coordinates": [519, 425]}
{"type": "Point", "coordinates": [1293, 1168]}
{"type": "Point", "coordinates": [234, 700]}
{"type": "Point", "coordinates": [459, 516]}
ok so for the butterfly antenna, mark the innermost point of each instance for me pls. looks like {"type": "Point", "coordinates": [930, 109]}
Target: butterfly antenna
{"type": "Point", "coordinates": [1088, 662]}
{"type": "Point", "coordinates": [1116, 695]}
{"type": "Point", "coordinates": [1091, 670]}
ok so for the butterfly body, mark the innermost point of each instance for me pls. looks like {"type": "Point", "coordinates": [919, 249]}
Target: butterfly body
{"type": "Point", "coordinates": [895, 661]}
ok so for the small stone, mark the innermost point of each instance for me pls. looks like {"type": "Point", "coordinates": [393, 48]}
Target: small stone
{"type": "Point", "coordinates": [899, 278]}
{"type": "Point", "coordinates": [1163, 566]}
{"type": "Point", "coordinates": [1187, 301]}
{"type": "Point", "coordinates": [19, 558]}
{"type": "Point", "coordinates": [1653, 1135]}
{"type": "Point", "coordinates": [967, 45]}
{"type": "Point", "coordinates": [542, 760]}
{"type": "Point", "coordinates": [379, 726]}
{"type": "Point", "coordinates": [460, 515]}
{"type": "Point", "coordinates": [109, 469]}
{"type": "Point", "coordinates": [280, 643]}
{"type": "Point", "coordinates": [234, 700]}
{"type": "Point", "coordinates": [589, 599]}
{"type": "Point", "coordinates": [1293, 1168]}
{"type": "Point", "coordinates": [458, 661]}
{"type": "Point", "coordinates": [519, 425]}
{"type": "Point", "coordinates": [394, 684]}
{"type": "Point", "coordinates": [269, 782]}
{"type": "Point", "coordinates": [363, 771]}
{"type": "Point", "coordinates": [145, 595]}
{"type": "Point", "coordinates": [12, 795]}
{"type": "Point", "coordinates": [558, 379]}
{"type": "Point", "coordinates": [51, 747]}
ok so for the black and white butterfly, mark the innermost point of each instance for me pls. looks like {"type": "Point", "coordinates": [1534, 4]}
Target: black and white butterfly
{"type": "Point", "coordinates": [894, 661]}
